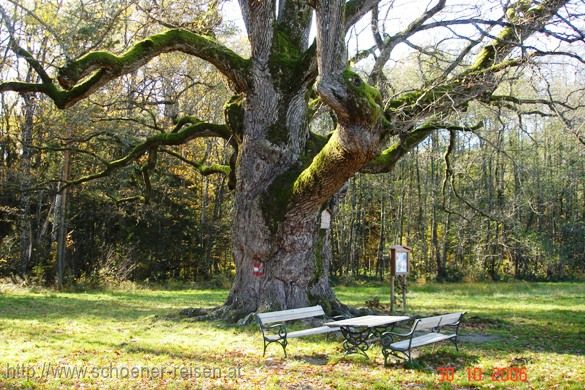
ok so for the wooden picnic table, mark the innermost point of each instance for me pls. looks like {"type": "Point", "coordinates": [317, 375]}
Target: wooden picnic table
{"type": "Point", "coordinates": [360, 332]}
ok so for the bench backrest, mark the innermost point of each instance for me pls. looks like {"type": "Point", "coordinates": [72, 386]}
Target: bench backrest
{"type": "Point", "coordinates": [430, 323]}
{"type": "Point", "coordinates": [289, 315]}
{"type": "Point", "coordinates": [451, 318]}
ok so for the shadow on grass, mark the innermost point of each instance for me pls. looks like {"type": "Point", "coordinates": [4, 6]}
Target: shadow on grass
{"type": "Point", "coordinates": [432, 361]}
{"type": "Point", "coordinates": [49, 307]}
{"type": "Point", "coordinates": [119, 306]}
{"type": "Point", "coordinates": [558, 331]}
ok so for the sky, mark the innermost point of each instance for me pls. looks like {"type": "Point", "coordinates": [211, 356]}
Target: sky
{"type": "Point", "coordinates": [404, 12]}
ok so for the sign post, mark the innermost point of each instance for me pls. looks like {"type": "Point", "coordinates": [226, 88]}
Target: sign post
{"type": "Point", "coordinates": [399, 267]}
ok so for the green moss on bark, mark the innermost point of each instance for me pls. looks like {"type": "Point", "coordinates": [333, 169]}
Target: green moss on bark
{"type": "Point", "coordinates": [365, 100]}
{"type": "Point", "coordinates": [286, 61]}
{"type": "Point", "coordinates": [227, 61]}
{"type": "Point", "coordinates": [309, 180]}
{"type": "Point", "coordinates": [234, 115]}
{"type": "Point", "coordinates": [277, 133]}
{"type": "Point", "coordinates": [390, 156]}
{"type": "Point", "coordinates": [276, 200]}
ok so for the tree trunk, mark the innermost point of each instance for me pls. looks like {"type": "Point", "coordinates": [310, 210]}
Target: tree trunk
{"type": "Point", "coordinates": [61, 206]}
{"type": "Point", "coordinates": [26, 234]}
{"type": "Point", "coordinates": [265, 233]}
{"type": "Point", "coordinates": [380, 263]}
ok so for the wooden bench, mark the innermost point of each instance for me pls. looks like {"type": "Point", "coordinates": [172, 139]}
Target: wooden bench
{"type": "Point", "coordinates": [274, 329]}
{"type": "Point", "coordinates": [424, 331]}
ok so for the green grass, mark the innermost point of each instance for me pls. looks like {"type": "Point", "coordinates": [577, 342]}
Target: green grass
{"type": "Point", "coordinates": [539, 326]}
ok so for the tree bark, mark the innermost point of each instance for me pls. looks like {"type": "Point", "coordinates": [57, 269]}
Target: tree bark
{"type": "Point", "coordinates": [26, 234]}
{"type": "Point", "coordinates": [61, 207]}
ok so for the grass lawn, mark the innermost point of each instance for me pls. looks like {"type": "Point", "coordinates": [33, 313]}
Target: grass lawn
{"type": "Point", "coordinates": [134, 338]}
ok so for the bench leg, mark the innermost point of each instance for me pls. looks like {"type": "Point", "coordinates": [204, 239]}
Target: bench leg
{"type": "Point", "coordinates": [283, 343]}
{"type": "Point", "coordinates": [387, 353]}
{"type": "Point", "coordinates": [454, 341]}
{"type": "Point", "coordinates": [355, 341]}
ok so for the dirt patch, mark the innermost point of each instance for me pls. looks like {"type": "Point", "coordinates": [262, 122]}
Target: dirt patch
{"type": "Point", "coordinates": [316, 359]}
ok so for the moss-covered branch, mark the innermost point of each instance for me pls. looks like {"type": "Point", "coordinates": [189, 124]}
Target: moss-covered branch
{"type": "Point", "coordinates": [80, 78]}
{"type": "Point", "coordinates": [200, 166]}
{"type": "Point", "coordinates": [525, 19]}
{"type": "Point", "coordinates": [306, 190]}
{"type": "Point", "coordinates": [61, 98]}
{"type": "Point", "coordinates": [225, 60]}
{"type": "Point", "coordinates": [386, 161]}
{"type": "Point", "coordinates": [477, 81]}
{"type": "Point", "coordinates": [150, 145]}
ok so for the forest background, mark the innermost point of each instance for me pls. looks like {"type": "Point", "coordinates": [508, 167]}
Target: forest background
{"type": "Point", "coordinates": [502, 201]}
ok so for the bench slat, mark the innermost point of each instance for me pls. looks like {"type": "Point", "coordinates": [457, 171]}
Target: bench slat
{"type": "Point", "coordinates": [419, 341]}
{"type": "Point", "coordinates": [310, 332]}
{"type": "Point", "coordinates": [291, 314]}
{"type": "Point", "coordinates": [451, 319]}
{"type": "Point", "coordinates": [429, 323]}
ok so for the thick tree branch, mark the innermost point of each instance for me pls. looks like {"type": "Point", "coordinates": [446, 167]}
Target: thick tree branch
{"type": "Point", "coordinates": [259, 17]}
{"type": "Point", "coordinates": [200, 166]}
{"type": "Point", "coordinates": [151, 144]}
{"type": "Point", "coordinates": [102, 67]}
{"type": "Point", "coordinates": [331, 56]}
{"type": "Point", "coordinates": [294, 19]}
{"type": "Point", "coordinates": [112, 66]}
{"type": "Point", "coordinates": [327, 172]}
{"type": "Point", "coordinates": [353, 100]}
{"type": "Point", "coordinates": [356, 9]}
{"type": "Point", "coordinates": [386, 161]}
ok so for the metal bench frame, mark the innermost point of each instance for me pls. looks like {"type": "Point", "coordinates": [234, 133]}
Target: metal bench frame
{"type": "Point", "coordinates": [430, 327]}
{"type": "Point", "coordinates": [274, 330]}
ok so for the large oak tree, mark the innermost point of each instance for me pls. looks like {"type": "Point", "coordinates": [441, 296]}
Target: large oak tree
{"type": "Point", "coordinates": [282, 173]}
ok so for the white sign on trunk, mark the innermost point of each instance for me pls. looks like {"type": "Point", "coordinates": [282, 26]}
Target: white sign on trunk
{"type": "Point", "coordinates": [325, 220]}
